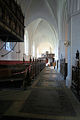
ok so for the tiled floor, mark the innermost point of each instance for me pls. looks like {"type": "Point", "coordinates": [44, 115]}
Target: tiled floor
{"type": "Point", "coordinates": [46, 99]}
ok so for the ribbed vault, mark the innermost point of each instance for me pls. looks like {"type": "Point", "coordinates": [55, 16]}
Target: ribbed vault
{"type": "Point", "coordinates": [41, 33]}
{"type": "Point", "coordinates": [41, 23]}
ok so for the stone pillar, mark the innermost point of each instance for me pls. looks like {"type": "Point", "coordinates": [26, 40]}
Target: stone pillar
{"type": "Point", "coordinates": [59, 57]}
{"type": "Point", "coordinates": [69, 70]}
{"type": "Point", "coordinates": [69, 75]}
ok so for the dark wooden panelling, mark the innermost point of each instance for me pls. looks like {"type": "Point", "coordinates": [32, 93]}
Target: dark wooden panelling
{"type": "Point", "coordinates": [11, 21]}
{"type": "Point", "coordinates": [63, 68]}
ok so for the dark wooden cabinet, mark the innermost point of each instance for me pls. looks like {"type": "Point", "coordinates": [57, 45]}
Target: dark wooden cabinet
{"type": "Point", "coordinates": [11, 21]}
{"type": "Point", "coordinates": [63, 68]}
{"type": "Point", "coordinates": [76, 76]}
{"type": "Point", "coordinates": [76, 79]}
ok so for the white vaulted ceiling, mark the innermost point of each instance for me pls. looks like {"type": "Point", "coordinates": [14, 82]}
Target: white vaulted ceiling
{"type": "Point", "coordinates": [41, 20]}
{"type": "Point", "coordinates": [34, 9]}
{"type": "Point", "coordinates": [42, 32]}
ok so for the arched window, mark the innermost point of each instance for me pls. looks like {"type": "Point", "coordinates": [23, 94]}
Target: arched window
{"type": "Point", "coordinates": [9, 46]}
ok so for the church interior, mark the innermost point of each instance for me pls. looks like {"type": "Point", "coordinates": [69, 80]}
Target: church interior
{"type": "Point", "coordinates": [40, 59]}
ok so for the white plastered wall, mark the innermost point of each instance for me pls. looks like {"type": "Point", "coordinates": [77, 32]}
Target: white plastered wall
{"type": "Point", "coordinates": [75, 36]}
{"type": "Point", "coordinates": [16, 54]}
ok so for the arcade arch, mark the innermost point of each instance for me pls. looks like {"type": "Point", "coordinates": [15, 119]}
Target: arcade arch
{"type": "Point", "coordinates": [40, 32]}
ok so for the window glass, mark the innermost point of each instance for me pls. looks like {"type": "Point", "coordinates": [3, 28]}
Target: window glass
{"type": "Point", "coordinates": [9, 46]}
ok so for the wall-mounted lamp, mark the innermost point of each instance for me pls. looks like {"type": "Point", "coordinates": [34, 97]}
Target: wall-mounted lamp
{"type": "Point", "coordinates": [18, 51]}
{"type": "Point", "coordinates": [67, 43]}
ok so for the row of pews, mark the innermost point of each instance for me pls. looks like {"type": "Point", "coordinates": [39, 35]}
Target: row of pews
{"type": "Point", "coordinates": [20, 74]}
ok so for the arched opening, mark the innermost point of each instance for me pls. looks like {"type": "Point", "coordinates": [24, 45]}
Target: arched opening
{"type": "Point", "coordinates": [42, 37]}
{"type": "Point", "coordinates": [44, 47]}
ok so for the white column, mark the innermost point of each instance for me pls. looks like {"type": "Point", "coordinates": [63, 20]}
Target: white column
{"type": "Point", "coordinates": [69, 75]}
{"type": "Point", "coordinates": [59, 52]}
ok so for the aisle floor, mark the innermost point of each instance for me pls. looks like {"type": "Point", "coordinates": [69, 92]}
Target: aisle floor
{"type": "Point", "coordinates": [47, 99]}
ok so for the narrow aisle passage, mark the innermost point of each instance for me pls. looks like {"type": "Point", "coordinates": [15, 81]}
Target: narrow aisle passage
{"type": "Point", "coordinates": [48, 98]}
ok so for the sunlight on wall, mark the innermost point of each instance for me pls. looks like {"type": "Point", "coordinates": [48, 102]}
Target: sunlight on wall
{"type": "Point", "coordinates": [33, 50]}
{"type": "Point", "coordinates": [38, 54]}
{"type": "Point", "coordinates": [26, 43]}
